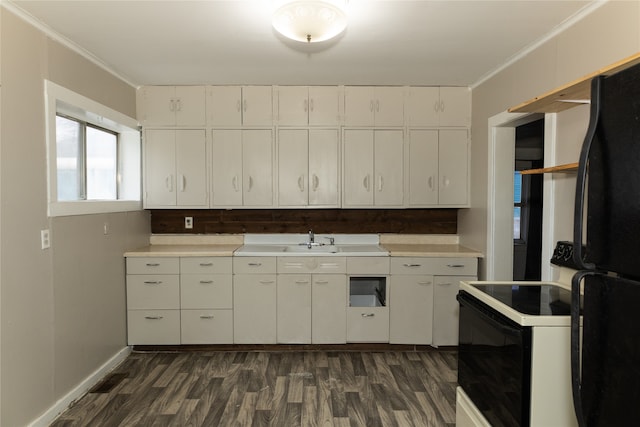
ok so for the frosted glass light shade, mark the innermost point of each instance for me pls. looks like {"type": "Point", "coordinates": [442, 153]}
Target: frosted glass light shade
{"type": "Point", "coordinates": [310, 21]}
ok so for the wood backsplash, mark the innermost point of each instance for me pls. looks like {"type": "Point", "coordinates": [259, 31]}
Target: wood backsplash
{"type": "Point", "coordinates": [221, 221]}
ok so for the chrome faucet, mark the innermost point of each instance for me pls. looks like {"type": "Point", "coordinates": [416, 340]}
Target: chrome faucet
{"type": "Point", "coordinates": [312, 238]}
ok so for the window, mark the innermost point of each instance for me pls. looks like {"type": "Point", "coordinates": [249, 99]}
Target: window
{"type": "Point", "coordinates": [86, 161]}
{"type": "Point", "coordinates": [94, 156]}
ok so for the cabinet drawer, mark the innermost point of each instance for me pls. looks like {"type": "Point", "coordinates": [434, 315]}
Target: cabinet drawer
{"type": "Point", "coordinates": [153, 327]}
{"type": "Point", "coordinates": [327, 265]}
{"type": "Point", "coordinates": [434, 266]}
{"type": "Point", "coordinates": [207, 326]}
{"type": "Point", "coordinates": [153, 291]}
{"type": "Point", "coordinates": [367, 266]}
{"type": "Point", "coordinates": [204, 265]}
{"type": "Point", "coordinates": [153, 265]}
{"type": "Point", "coordinates": [368, 324]}
{"type": "Point", "coordinates": [254, 265]}
{"type": "Point", "coordinates": [206, 291]}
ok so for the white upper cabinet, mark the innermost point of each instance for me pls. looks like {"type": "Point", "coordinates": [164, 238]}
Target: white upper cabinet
{"type": "Point", "coordinates": [175, 168]}
{"type": "Point", "coordinates": [439, 106]}
{"type": "Point", "coordinates": [239, 106]}
{"type": "Point", "coordinates": [242, 168]}
{"type": "Point", "coordinates": [438, 168]}
{"type": "Point", "coordinates": [308, 105]}
{"type": "Point", "coordinates": [171, 106]}
{"type": "Point", "coordinates": [373, 168]}
{"type": "Point", "coordinates": [373, 106]}
{"type": "Point", "coordinates": [308, 167]}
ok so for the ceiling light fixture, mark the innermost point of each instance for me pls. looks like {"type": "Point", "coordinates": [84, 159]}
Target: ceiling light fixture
{"type": "Point", "coordinates": [310, 21]}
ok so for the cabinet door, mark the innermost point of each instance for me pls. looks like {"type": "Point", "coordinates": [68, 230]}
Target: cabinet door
{"type": "Point", "coordinates": [329, 309]}
{"type": "Point", "coordinates": [423, 168]}
{"type": "Point", "coordinates": [189, 106]}
{"type": "Point", "coordinates": [293, 105]}
{"type": "Point", "coordinates": [389, 106]}
{"type": "Point", "coordinates": [388, 161]}
{"type": "Point", "coordinates": [358, 168]}
{"type": "Point", "coordinates": [455, 106]}
{"type": "Point", "coordinates": [324, 106]}
{"type": "Point", "coordinates": [323, 167]}
{"type": "Point", "coordinates": [453, 157]}
{"type": "Point", "coordinates": [293, 170]}
{"type": "Point", "coordinates": [446, 311]}
{"type": "Point", "coordinates": [294, 309]}
{"type": "Point", "coordinates": [257, 165]}
{"type": "Point", "coordinates": [191, 168]}
{"type": "Point", "coordinates": [160, 167]}
{"type": "Point", "coordinates": [422, 106]}
{"type": "Point", "coordinates": [224, 106]}
{"type": "Point", "coordinates": [359, 106]}
{"type": "Point", "coordinates": [254, 309]}
{"type": "Point", "coordinates": [257, 106]}
{"type": "Point", "coordinates": [156, 106]}
{"type": "Point", "coordinates": [226, 171]}
{"type": "Point", "coordinates": [411, 309]}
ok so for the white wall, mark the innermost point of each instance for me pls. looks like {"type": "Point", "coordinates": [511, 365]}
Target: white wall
{"type": "Point", "coordinates": [62, 310]}
{"type": "Point", "coordinates": [607, 35]}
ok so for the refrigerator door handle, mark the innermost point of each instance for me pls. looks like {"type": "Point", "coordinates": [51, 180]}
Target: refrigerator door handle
{"type": "Point", "coordinates": [581, 179]}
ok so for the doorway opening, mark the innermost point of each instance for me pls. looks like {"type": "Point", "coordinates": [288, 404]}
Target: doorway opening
{"type": "Point", "coordinates": [528, 201]}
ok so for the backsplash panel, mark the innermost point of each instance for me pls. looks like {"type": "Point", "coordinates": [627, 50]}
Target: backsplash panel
{"type": "Point", "coordinates": [216, 221]}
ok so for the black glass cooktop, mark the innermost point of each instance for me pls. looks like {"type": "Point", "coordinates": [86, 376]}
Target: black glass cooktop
{"type": "Point", "coordinates": [540, 300]}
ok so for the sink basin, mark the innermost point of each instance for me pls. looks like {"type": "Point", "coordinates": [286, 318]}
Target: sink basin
{"type": "Point", "coordinates": [304, 249]}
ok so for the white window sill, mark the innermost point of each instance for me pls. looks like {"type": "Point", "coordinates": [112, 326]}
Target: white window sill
{"type": "Point", "coordinates": [85, 207]}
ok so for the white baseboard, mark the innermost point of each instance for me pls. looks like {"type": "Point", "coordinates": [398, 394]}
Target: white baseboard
{"type": "Point", "coordinates": [80, 390]}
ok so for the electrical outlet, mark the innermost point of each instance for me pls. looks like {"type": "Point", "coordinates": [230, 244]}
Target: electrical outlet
{"type": "Point", "coordinates": [45, 239]}
{"type": "Point", "coordinates": [188, 222]}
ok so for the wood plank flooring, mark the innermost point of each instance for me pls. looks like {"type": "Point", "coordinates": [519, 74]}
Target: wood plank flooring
{"type": "Point", "coordinates": [270, 388]}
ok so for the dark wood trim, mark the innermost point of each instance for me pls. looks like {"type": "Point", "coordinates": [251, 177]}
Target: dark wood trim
{"type": "Point", "coordinates": [239, 221]}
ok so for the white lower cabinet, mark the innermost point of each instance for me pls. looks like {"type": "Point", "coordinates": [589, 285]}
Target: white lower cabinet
{"type": "Point", "coordinates": [311, 300]}
{"type": "Point", "coordinates": [254, 300]}
{"type": "Point", "coordinates": [153, 301]}
{"type": "Point", "coordinates": [206, 300]}
{"type": "Point", "coordinates": [368, 293]}
{"type": "Point", "coordinates": [174, 300]}
{"type": "Point", "coordinates": [423, 305]}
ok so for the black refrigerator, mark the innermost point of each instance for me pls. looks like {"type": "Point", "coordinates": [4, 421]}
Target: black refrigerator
{"type": "Point", "coordinates": [606, 364]}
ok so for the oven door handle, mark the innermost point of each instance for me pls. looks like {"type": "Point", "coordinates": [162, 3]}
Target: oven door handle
{"type": "Point", "coordinates": [497, 320]}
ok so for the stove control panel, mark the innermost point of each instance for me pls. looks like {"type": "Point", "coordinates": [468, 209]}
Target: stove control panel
{"type": "Point", "coordinates": [563, 255]}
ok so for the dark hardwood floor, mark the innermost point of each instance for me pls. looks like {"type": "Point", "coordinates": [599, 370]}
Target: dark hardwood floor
{"type": "Point", "coordinates": [270, 388]}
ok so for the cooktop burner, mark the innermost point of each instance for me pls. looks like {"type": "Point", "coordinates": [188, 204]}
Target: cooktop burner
{"type": "Point", "coordinates": [539, 300]}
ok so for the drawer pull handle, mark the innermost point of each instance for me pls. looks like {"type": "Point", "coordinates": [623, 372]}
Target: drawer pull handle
{"type": "Point", "coordinates": [412, 265]}
{"type": "Point", "coordinates": [321, 282]}
{"type": "Point", "coordinates": [206, 317]}
{"type": "Point", "coordinates": [424, 283]}
{"type": "Point", "coordinates": [152, 282]}
{"type": "Point", "coordinates": [206, 264]}
{"type": "Point", "coordinates": [293, 264]}
{"type": "Point", "coordinates": [266, 282]}
{"type": "Point", "coordinates": [255, 264]}
{"type": "Point", "coordinates": [153, 317]}
{"type": "Point", "coordinates": [206, 282]}
{"type": "Point", "coordinates": [368, 315]}
{"type": "Point", "coordinates": [445, 284]}
{"type": "Point", "coordinates": [455, 265]}
{"type": "Point", "coordinates": [152, 264]}
{"type": "Point", "coordinates": [302, 282]}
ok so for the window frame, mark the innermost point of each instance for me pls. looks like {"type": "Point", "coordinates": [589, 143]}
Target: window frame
{"type": "Point", "coordinates": [64, 102]}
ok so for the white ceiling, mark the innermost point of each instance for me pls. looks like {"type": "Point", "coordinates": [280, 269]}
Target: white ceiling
{"type": "Point", "coordinates": [399, 42]}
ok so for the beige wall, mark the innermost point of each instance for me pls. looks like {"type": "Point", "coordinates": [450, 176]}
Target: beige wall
{"type": "Point", "coordinates": [62, 310]}
{"type": "Point", "coordinates": [607, 35]}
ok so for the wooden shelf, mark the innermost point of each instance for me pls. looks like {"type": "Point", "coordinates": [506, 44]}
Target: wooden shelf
{"type": "Point", "coordinates": [569, 167]}
{"type": "Point", "coordinates": [575, 93]}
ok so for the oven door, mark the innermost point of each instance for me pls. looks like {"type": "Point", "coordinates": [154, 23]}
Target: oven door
{"type": "Point", "coordinates": [494, 363]}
